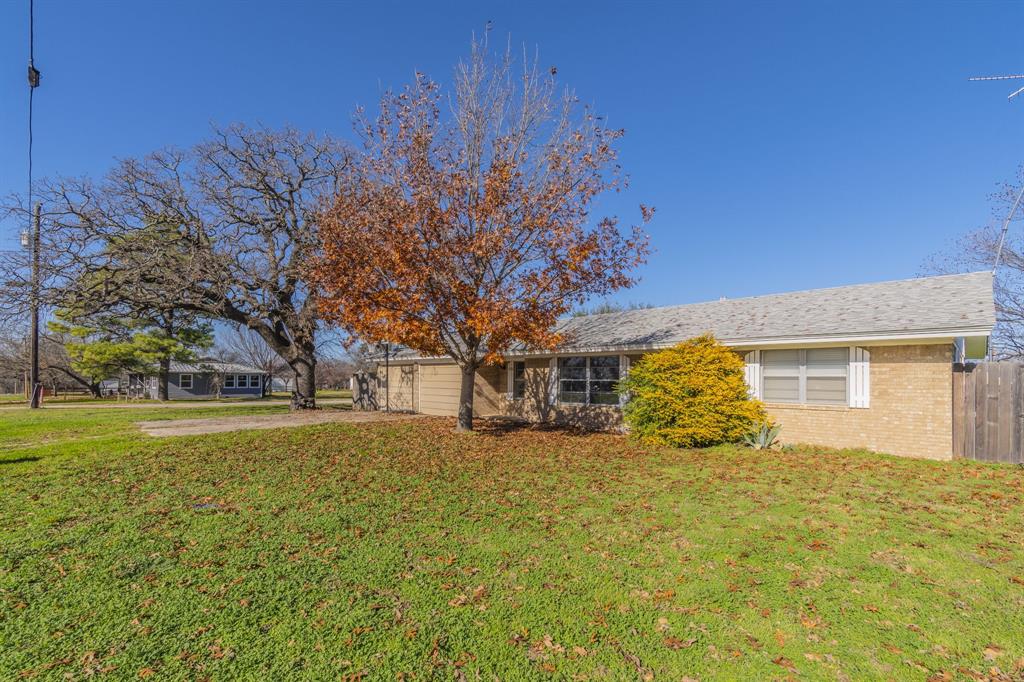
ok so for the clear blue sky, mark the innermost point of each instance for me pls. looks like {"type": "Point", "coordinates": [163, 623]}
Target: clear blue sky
{"type": "Point", "coordinates": [785, 146]}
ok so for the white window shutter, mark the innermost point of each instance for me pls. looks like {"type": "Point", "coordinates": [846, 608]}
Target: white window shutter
{"type": "Point", "coordinates": [860, 377]}
{"type": "Point", "coordinates": [509, 377]}
{"type": "Point", "coordinates": [752, 373]}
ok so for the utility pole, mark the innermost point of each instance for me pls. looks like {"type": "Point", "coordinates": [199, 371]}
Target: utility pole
{"type": "Point", "coordinates": [33, 82]}
{"type": "Point", "coordinates": [36, 398]}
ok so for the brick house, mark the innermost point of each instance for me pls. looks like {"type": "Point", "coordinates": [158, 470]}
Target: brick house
{"type": "Point", "coordinates": [867, 365]}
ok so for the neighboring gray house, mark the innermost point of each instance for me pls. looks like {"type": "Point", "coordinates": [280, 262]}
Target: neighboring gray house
{"type": "Point", "coordinates": [202, 379]}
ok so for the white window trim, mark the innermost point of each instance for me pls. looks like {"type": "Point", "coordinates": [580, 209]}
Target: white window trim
{"type": "Point", "coordinates": [553, 381]}
{"type": "Point", "coordinates": [242, 381]}
{"type": "Point", "coordinates": [257, 378]}
{"type": "Point", "coordinates": [229, 381]}
{"type": "Point", "coordinates": [624, 365]}
{"type": "Point", "coordinates": [181, 382]}
{"type": "Point", "coordinates": [510, 379]}
{"type": "Point", "coordinates": [558, 379]}
{"type": "Point", "coordinates": [858, 379]}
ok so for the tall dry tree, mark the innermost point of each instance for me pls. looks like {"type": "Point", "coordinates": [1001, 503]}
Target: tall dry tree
{"type": "Point", "coordinates": [248, 347]}
{"type": "Point", "coordinates": [977, 249]}
{"type": "Point", "coordinates": [226, 230]}
{"type": "Point", "coordinates": [465, 229]}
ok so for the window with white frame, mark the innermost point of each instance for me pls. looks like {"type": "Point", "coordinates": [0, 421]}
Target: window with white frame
{"type": "Point", "coordinates": [254, 381]}
{"type": "Point", "coordinates": [588, 380]}
{"type": "Point", "coordinates": [229, 381]}
{"type": "Point", "coordinates": [185, 381]}
{"type": "Point", "coordinates": [518, 379]}
{"type": "Point", "coordinates": [817, 376]}
{"type": "Point", "coordinates": [243, 381]}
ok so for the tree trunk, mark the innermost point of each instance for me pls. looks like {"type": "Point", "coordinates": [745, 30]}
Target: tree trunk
{"type": "Point", "coordinates": [466, 400]}
{"type": "Point", "coordinates": [304, 366]}
{"type": "Point", "coordinates": [92, 386]}
{"type": "Point", "coordinates": [162, 377]}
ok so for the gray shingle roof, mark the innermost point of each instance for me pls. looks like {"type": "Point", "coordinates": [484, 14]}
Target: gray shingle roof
{"type": "Point", "coordinates": [939, 306]}
{"type": "Point", "coordinates": [203, 366]}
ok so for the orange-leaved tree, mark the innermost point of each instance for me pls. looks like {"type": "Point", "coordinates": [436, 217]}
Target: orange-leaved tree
{"type": "Point", "coordinates": [464, 227]}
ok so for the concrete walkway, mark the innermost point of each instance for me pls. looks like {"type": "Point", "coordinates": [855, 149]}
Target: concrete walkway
{"type": "Point", "coordinates": [197, 427]}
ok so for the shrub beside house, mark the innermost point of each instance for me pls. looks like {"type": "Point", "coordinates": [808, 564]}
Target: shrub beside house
{"type": "Point", "coordinates": [691, 395]}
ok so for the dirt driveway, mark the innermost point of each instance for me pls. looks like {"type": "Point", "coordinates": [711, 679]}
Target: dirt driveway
{"type": "Point", "coordinates": [196, 427]}
{"type": "Point", "coordinates": [170, 404]}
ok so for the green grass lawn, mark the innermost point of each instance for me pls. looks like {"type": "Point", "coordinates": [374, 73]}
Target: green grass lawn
{"type": "Point", "coordinates": [33, 434]}
{"type": "Point", "coordinates": [403, 551]}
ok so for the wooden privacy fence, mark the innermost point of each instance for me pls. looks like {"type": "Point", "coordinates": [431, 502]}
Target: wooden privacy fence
{"type": "Point", "coordinates": [988, 413]}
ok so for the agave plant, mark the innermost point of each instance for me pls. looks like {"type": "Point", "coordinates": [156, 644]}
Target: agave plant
{"type": "Point", "coordinates": [763, 436]}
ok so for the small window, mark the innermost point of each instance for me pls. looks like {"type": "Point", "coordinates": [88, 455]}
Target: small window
{"type": "Point", "coordinates": [604, 374]}
{"type": "Point", "coordinates": [229, 381]}
{"type": "Point", "coordinates": [826, 376]}
{"type": "Point", "coordinates": [185, 381]}
{"type": "Point", "coordinates": [243, 381]}
{"type": "Point", "coordinates": [254, 381]}
{"type": "Point", "coordinates": [572, 380]}
{"type": "Point", "coordinates": [780, 376]}
{"type": "Point", "coordinates": [518, 379]}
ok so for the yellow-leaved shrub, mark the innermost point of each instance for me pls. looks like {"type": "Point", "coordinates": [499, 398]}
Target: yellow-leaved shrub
{"type": "Point", "coordinates": [691, 395]}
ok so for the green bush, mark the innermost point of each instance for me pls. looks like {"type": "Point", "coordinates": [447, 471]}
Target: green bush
{"type": "Point", "coordinates": [691, 395]}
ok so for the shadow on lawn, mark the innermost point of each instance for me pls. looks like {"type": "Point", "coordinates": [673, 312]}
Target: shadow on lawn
{"type": "Point", "coordinates": [19, 460]}
{"type": "Point", "coordinates": [502, 426]}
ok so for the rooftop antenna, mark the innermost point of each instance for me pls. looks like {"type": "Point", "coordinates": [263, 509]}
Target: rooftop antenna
{"type": "Point", "coordinates": [1012, 77]}
{"type": "Point", "coordinates": [1020, 193]}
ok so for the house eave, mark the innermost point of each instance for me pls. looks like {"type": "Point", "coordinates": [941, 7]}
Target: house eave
{"type": "Point", "coordinates": [881, 338]}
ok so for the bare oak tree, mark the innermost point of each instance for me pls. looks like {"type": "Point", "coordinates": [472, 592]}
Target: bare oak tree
{"type": "Point", "coordinates": [247, 347]}
{"type": "Point", "coordinates": [977, 249]}
{"type": "Point", "coordinates": [224, 230]}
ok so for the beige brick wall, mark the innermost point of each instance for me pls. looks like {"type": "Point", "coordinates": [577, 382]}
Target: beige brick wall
{"type": "Point", "coordinates": [910, 412]}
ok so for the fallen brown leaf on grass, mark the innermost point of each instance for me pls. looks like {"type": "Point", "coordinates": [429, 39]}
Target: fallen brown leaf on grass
{"type": "Point", "coordinates": [941, 676]}
{"type": "Point", "coordinates": [675, 643]}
